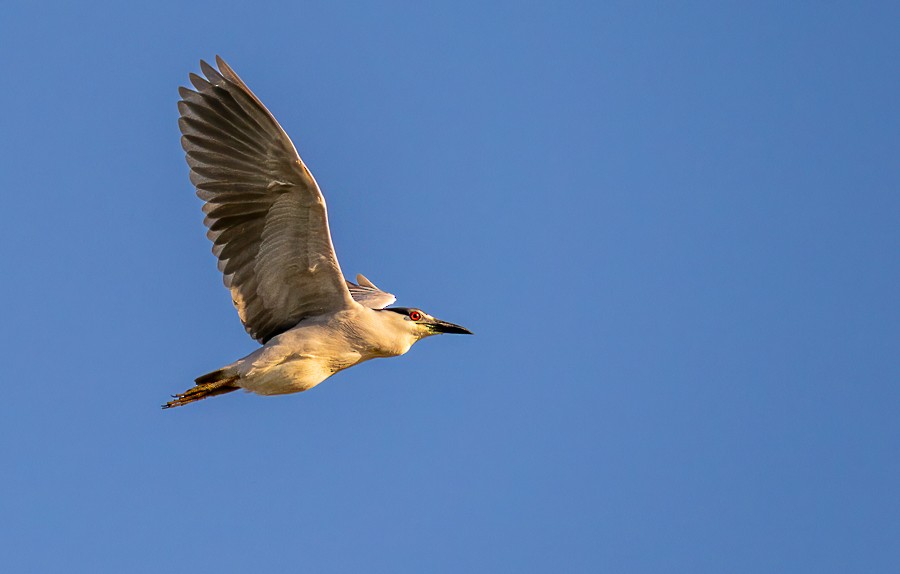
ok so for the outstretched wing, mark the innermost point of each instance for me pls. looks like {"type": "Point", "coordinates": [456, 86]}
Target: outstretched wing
{"type": "Point", "coordinates": [367, 294]}
{"type": "Point", "coordinates": [264, 211]}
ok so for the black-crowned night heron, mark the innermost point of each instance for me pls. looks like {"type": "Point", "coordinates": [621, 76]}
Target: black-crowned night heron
{"type": "Point", "coordinates": [269, 228]}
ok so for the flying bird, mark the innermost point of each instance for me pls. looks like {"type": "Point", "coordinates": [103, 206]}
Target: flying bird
{"type": "Point", "coordinates": [267, 220]}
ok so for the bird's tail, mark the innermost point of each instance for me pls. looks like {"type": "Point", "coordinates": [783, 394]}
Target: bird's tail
{"type": "Point", "coordinates": [208, 385]}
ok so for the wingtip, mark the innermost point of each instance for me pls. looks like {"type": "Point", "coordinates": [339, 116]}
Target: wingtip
{"type": "Point", "coordinates": [364, 281]}
{"type": "Point", "coordinates": [226, 70]}
{"type": "Point", "coordinates": [211, 73]}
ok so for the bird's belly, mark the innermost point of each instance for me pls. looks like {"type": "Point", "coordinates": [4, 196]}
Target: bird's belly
{"type": "Point", "coordinates": [296, 373]}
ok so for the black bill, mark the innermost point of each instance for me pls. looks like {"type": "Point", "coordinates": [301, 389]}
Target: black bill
{"type": "Point", "coordinates": [439, 326]}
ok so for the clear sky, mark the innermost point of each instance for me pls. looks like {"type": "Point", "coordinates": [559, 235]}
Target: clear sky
{"type": "Point", "coordinates": [674, 230]}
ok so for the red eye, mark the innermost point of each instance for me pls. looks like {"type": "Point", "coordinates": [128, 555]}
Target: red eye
{"type": "Point", "coordinates": [415, 315]}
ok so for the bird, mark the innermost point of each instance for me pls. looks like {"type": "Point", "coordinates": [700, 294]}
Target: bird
{"type": "Point", "coordinates": [268, 223]}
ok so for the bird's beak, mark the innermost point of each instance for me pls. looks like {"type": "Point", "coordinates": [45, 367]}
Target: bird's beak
{"type": "Point", "coordinates": [439, 326]}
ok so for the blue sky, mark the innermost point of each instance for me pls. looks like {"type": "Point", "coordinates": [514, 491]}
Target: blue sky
{"type": "Point", "coordinates": [673, 229]}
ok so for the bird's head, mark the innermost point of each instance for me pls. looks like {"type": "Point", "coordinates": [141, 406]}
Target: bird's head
{"type": "Point", "coordinates": [420, 324]}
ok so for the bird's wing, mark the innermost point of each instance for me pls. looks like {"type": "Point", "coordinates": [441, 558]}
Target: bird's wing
{"type": "Point", "coordinates": [367, 294]}
{"type": "Point", "coordinates": [264, 211]}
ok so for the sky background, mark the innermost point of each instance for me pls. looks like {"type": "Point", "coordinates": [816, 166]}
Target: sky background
{"type": "Point", "coordinates": [674, 230]}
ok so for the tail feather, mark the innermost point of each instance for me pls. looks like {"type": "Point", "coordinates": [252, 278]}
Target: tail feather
{"type": "Point", "coordinates": [208, 385]}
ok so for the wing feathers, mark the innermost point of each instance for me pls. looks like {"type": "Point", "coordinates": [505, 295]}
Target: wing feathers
{"type": "Point", "coordinates": [264, 212]}
{"type": "Point", "coordinates": [366, 293]}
